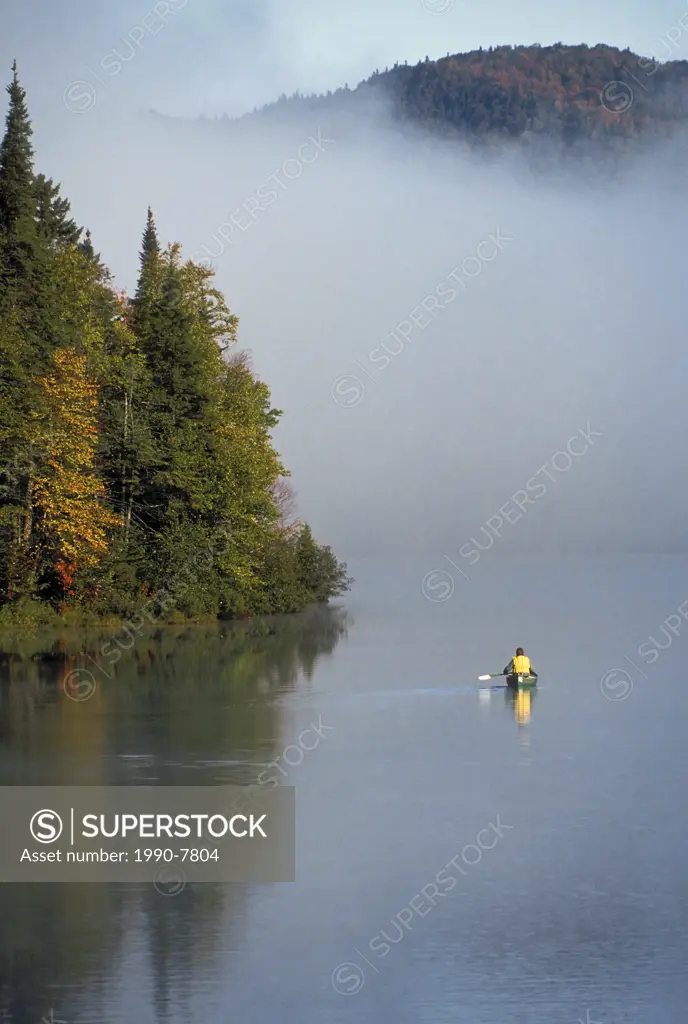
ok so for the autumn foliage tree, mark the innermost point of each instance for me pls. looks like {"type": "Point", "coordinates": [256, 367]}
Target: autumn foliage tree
{"type": "Point", "coordinates": [69, 495]}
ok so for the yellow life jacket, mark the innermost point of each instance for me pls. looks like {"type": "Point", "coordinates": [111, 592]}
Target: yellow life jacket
{"type": "Point", "coordinates": [522, 665]}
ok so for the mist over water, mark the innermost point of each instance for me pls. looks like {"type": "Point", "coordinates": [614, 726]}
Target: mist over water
{"type": "Point", "coordinates": [413, 415]}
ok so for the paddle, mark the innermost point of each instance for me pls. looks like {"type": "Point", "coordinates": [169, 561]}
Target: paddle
{"type": "Point", "coordinates": [492, 675]}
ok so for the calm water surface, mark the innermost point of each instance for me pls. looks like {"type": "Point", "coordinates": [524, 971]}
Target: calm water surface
{"type": "Point", "coordinates": [560, 821]}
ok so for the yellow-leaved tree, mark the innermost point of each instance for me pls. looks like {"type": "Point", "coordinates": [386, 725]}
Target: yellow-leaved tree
{"type": "Point", "coordinates": [68, 494]}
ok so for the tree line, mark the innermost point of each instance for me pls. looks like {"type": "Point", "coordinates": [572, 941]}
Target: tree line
{"type": "Point", "coordinates": [567, 94]}
{"type": "Point", "coordinates": [133, 440]}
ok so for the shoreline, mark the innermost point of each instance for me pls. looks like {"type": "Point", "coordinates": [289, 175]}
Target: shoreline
{"type": "Point", "coordinates": [73, 637]}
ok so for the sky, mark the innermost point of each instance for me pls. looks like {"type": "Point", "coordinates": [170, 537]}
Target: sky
{"type": "Point", "coordinates": [569, 308]}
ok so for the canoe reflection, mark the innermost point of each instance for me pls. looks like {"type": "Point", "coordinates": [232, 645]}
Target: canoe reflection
{"type": "Point", "coordinates": [521, 702]}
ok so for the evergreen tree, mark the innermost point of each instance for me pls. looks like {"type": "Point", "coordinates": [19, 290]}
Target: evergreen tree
{"type": "Point", "coordinates": [126, 446]}
{"type": "Point", "coordinates": [86, 247]}
{"type": "Point", "coordinates": [148, 260]}
{"type": "Point", "coordinates": [150, 243]}
{"type": "Point", "coordinates": [17, 199]}
{"type": "Point", "coordinates": [149, 281]}
{"type": "Point", "coordinates": [179, 391]}
{"type": "Point", "coordinates": [20, 297]}
{"type": "Point", "coordinates": [52, 213]}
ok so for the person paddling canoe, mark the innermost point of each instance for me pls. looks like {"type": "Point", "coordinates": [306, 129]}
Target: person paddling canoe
{"type": "Point", "coordinates": [519, 666]}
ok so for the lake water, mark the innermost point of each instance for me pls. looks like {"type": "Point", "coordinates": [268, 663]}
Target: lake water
{"type": "Point", "coordinates": [560, 820]}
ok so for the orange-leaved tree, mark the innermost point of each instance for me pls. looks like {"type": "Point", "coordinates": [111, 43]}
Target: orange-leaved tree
{"type": "Point", "coordinates": [68, 493]}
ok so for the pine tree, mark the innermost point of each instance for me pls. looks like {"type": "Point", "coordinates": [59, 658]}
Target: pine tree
{"type": "Point", "coordinates": [32, 218]}
{"type": "Point", "coordinates": [150, 243]}
{"type": "Point", "coordinates": [185, 361]}
{"type": "Point", "coordinates": [148, 259]}
{"type": "Point", "coordinates": [52, 213]}
{"type": "Point", "coordinates": [17, 200]}
{"type": "Point", "coordinates": [148, 284]}
{"type": "Point", "coordinates": [126, 442]}
{"type": "Point", "coordinates": [21, 293]}
{"type": "Point", "coordinates": [86, 247]}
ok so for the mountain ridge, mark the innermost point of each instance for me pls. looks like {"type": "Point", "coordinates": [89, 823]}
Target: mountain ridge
{"type": "Point", "coordinates": [567, 94]}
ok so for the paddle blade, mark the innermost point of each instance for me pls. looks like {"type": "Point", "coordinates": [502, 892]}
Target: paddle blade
{"type": "Point", "coordinates": [483, 678]}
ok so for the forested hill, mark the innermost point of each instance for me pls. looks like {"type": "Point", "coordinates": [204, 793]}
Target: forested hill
{"type": "Point", "coordinates": [569, 92]}
{"type": "Point", "coordinates": [564, 94]}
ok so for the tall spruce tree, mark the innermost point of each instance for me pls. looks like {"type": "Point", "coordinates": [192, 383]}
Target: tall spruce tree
{"type": "Point", "coordinates": [150, 243]}
{"type": "Point", "coordinates": [148, 285]}
{"type": "Point", "coordinates": [52, 213]}
{"type": "Point", "coordinates": [86, 247]}
{"type": "Point", "coordinates": [126, 444]}
{"type": "Point", "coordinates": [17, 198]}
{"type": "Point", "coordinates": [181, 390]}
{"type": "Point", "coordinates": [149, 265]}
{"type": "Point", "coordinates": [32, 215]}
{"type": "Point", "coordinates": [19, 268]}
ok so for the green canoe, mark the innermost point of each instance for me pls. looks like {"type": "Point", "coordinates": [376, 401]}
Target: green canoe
{"type": "Point", "coordinates": [521, 682]}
